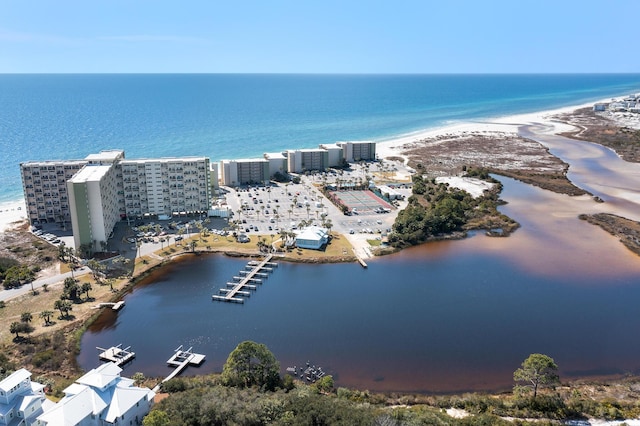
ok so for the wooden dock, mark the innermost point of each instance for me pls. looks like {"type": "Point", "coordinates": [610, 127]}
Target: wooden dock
{"type": "Point", "coordinates": [181, 360]}
{"type": "Point", "coordinates": [246, 281]}
{"type": "Point", "coordinates": [116, 354]}
{"type": "Point", "coordinates": [114, 306]}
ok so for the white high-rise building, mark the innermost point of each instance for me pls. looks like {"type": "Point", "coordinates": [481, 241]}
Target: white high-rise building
{"type": "Point", "coordinates": [94, 193]}
{"type": "Point", "coordinates": [357, 151]}
{"type": "Point", "coordinates": [244, 171]}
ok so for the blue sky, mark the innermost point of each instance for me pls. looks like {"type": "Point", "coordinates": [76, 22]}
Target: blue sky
{"type": "Point", "coordinates": [282, 36]}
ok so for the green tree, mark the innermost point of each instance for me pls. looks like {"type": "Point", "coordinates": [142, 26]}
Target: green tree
{"type": "Point", "coordinates": [536, 371]}
{"type": "Point", "coordinates": [64, 306]}
{"type": "Point", "coordinates": [251, 364]}
{"type": "Point", "coordinates": [97, 269]}
{"type": "Point", "coordinates": [26, 317]}
{"type": "Point", "coordinates": [20, 327]}
{"type": "Point", "coordinates": [86, 288]}
{"type": "Point", "coordinates": [46, 316]}
{"type": "Point", "coordinates": [71, 289]}
{"type": "Point", "coordinates": [156, 418]}
{"type": "Point", "coordinates": [138, 378]}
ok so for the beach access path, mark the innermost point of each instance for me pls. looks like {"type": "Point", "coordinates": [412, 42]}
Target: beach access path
{"type": "Point", "coordinates": [6, 295]}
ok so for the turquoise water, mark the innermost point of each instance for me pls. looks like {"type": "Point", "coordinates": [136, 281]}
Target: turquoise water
{"type": "Point", "coordinates": [235, 116]}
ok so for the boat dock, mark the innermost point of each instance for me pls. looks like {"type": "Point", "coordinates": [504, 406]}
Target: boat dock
{"type": "Point", "coordinates": [114, 306]}
{"type": "Point", "coordinates": [181, 360]}
{"type": "Point", "coordinates": [246, 280]}
{"type": "Point", "coordinates": [116, 354]}
{"type": "Point", "coordinates": [310, 373]}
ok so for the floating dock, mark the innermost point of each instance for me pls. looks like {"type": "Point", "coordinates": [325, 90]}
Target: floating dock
{"type": "Point", "coordinates": [181, 360]}
{"type": "Point", "coordinates": [114, 306]}
{"type": "Point", "coordinates": [116, 354]}
{"type": "Point", "coordinates": [246, 281]}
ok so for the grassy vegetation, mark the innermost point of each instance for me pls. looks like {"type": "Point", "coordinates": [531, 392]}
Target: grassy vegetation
{"type": "Point", "coordinates": [204, 400]}
{"type": "Point", "coordinates": [437, 211]}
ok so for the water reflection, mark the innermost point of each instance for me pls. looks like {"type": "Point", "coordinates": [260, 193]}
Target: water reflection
{"type": "Point", "coordinates": [444, 317]}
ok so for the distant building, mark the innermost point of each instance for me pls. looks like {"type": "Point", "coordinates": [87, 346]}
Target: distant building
{"type": "Point", "coordinates": [390, 193]}
{"type": "Point", "coordinates": [302, 160]}
{"type": "Point", "coordinates": [21, 400]}
{"type": "Point", "coordinates": [277, 163]}
{"type": "Point", "coordinates": [600, 106]}
{"type": "Point", "coordinates": [244, 171]}
{"type": "Point", "coordinates": [336, 154]}
{"type": "Point", "coordinates": [357, 151]}
{"type": "Point", "coordinates": [100, 397]}
{"type": "Point", "coordinates": [312, 237]}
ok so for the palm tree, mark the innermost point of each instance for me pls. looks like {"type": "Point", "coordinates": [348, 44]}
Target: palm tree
{"type": "Point", "coordinates": [111, 282]}
{"type": "Point", "coordinates": [46, 316]}
{"type": "Point", "coordinates": [26, 317]}
{"type": "Point", "coordinates": [86, 288]}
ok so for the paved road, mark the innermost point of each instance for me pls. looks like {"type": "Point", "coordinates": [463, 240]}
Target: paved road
{"type": "Point", "coordinates": [15, 292]}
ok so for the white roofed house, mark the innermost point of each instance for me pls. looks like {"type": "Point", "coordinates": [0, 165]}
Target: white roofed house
{"type": "Point", "coordinates": [312, 237]}
{"type": "Point", "coordinates": [21, 400]}
{"type": "Point", "coordinates": [100, 397]}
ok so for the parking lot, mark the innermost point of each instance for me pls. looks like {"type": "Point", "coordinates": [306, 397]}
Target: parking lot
{"type": "Point", "coordinates": [259, 210]}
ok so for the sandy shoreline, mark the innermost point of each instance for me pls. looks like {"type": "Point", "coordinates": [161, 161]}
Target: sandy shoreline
{"type": "Point", "coordinates": [508, 124]}
{"type": "Point", "coordinates": [14, 212]}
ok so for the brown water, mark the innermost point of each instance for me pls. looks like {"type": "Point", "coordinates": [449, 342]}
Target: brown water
{"type": "Point", "coordinates": [442, 317]}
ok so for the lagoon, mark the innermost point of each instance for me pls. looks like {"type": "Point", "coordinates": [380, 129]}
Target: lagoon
{"type": "Point", "coordinates": [443, 317]}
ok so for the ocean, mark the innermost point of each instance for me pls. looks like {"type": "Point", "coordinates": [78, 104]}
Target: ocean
{"type": "Point", "coordinates": [227, 116]}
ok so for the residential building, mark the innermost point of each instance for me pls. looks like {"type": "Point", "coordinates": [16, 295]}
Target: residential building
{"type": "Point", "coordinates": [100, 397]}
{"type": "Point", "coordinates": [45, 189]}
{"type": "Point", "coordinates": [96, 192]}
{"type": "Point", "coordinates": [166, 186]}
{"type": "Point", "coordinates": [357, 151]}
{"type": "Point", "coordinates": [277, 163]}
{"type": "Point", "coordinates": [302, 160]}
{"type": "Point", "coordinates": [336, 154]}
{"type": "Point", "coordinates": [244, 171]}
{"type": "Point", "coordinates": [21, 400]}
{"type": "Point", "coordinates": [93, 202]}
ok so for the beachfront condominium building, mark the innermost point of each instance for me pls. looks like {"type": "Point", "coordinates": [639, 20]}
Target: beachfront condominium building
{"type": "Point", "coordinates": [357, 151]}
{"type": "Point", "coordinates": [336, 154]}
{"type": "Point", "coordinates": [301, 160]}
{"type": "Point", "coordinates": [96, 192]}
{"type": "Point", "coordinates": [93, 201]}
{"type": "Point", "coordinates": [277, 163]}
{"type": "Point", "coordinates": [165, 186]}
{"type": "Point", "coordinates": [45, 185]}
{"type": "Point", "coordinates": [245, 171]}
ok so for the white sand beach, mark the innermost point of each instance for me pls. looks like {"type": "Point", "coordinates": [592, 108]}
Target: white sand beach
{"type": "Point", "coordinates": [508, 124]}
{"type": "Point", "coordinates": [12, 214]}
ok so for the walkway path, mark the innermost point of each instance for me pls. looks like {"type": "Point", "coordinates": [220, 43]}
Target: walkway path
{"type": "Point", "coordinates": [6, 295]}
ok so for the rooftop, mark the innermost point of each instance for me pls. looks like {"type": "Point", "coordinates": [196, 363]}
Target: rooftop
{"type": "Point", "coordinates": [90, 173]}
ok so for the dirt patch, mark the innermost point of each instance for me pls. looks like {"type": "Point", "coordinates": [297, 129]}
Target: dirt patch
{"type": "Point", "coordinates": [499, 152]}
{"type": "Point", "coordinates": [19, 244]}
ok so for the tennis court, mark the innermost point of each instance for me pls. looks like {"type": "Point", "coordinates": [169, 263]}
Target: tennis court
{"type": "Point", "coordinates": [361, 201]}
